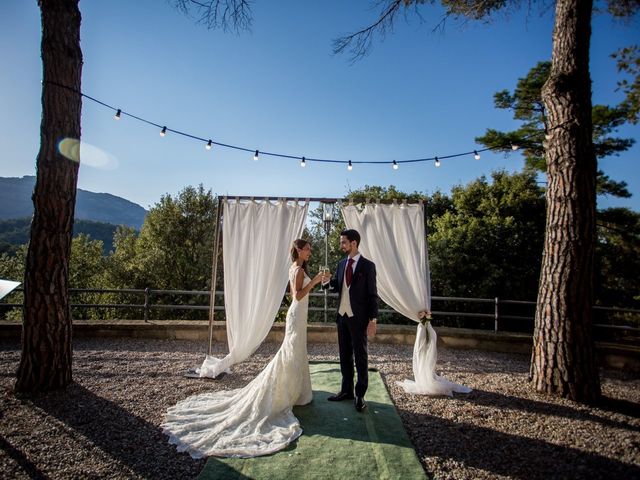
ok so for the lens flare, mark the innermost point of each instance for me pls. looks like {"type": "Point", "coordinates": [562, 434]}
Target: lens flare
{"type": "Point", "coordinates": [70, 148]}
{"type": "Point", "coordinates": [91, 156]}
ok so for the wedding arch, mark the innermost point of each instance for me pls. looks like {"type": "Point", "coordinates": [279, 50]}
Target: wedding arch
{"type": "Point", "coordinates": [256, 235]}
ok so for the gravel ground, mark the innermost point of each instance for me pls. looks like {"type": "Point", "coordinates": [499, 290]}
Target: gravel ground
{"type": "Point", "coordinates": [106, 424]}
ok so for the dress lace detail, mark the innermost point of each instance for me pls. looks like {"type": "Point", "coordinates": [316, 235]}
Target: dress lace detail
{"type": "Point", "coordinates": [257, 419]}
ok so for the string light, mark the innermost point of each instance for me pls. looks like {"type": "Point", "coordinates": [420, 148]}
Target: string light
{"type": "Point", "coordinates": [255, 156]}
{"type": "Point", "coordinates": [304, 160]}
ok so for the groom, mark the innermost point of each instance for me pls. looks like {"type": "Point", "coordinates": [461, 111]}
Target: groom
{"type": "Point", "coordinates": [355, 283]}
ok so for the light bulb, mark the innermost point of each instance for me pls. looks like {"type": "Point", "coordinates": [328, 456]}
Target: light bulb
{"type": "Point", "coordinates": [163, 132]}
{"type": "Point", "coordinates": [350, 166]}
{"type": "Point", "coordinates": [395, 165]}
{"type": "Point", "coordinates": [476, 155]}
{"type": "Point", "coordinates": [209, 145]}
{"type": "Point", "coordinates": [255, 156]}
{"type": "Point", "coordinates": [303, 162]}
{"type": "Point", "coordinates": [117, 115]}
{"type": "Point", "coordinates": [437, 162]}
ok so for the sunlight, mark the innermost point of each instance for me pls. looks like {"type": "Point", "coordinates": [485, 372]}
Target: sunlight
{"type": "Point", "coordinates": [91, 156]}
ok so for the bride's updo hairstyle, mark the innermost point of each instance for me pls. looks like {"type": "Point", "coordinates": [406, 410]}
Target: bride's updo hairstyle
{"type": "Point", "coordinates": [299, 244]}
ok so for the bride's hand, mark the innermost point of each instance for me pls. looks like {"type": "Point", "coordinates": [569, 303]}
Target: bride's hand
{"type": "Point", "coordinates": [326, 276]}
{"type": "Point", "coordinates": [321, 278]}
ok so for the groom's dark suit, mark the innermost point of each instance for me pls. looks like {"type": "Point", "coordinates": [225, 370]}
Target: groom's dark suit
{"type": "Point", "coordinates": [352, 331]}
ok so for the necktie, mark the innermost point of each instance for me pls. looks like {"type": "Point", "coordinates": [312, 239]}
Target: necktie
{"type": "Point", "coordinates": [349, 272]}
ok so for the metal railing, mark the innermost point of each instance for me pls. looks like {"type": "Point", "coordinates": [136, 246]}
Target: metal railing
{"type": "Point", "coordinates": [494, 315]}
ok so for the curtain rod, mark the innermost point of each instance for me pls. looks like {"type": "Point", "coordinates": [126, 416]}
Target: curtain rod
{"type": "Point", "coordinates": [317, 199]}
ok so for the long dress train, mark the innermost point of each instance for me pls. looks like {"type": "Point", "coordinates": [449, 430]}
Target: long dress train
{"type": "Point", "coordinates": [257, 419]}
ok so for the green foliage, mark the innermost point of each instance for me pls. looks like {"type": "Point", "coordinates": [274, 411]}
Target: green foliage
{"type": "Point", "coordinates": [175, 245]}
{"type": "Point", "coordinates": [624, 9]}
{"type": "Point", "coordinates": [316, 235]}
{"type": "Point", "coordinates": [96, 231]}
{"type": "Point", "coordinates": [526, 103]}
{"type": "Point", "coordinates": [618, 258]}
{"type": "Point", "coordinates": [475, 10]}
{"type": "Point", "coordinates": [628, 62]}
{"type": "Point", "coordinates": [173, 251]}
{"type": "Point", "coordinates": [12, 265]}
{"type": "Point", "coordinates": [122, 266]}
{"type": "Point", "coordinates": [86, 268]}
{"type": "Point", "coordinates": [374, 193]}
{"type": "Point", "coordinates": [16, 231]}
{"type": "Point", "coordinates": [485, 240]}
{"type": "Point", "coordinates": [490, 242]}
{"type": "Point", "coordinates": [12, 268]}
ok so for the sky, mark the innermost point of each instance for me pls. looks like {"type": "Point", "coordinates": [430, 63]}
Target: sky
{"type": "Point", "coordinates": [278, 88]}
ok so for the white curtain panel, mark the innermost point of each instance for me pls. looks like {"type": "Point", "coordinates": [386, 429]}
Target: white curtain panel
{"type": "Point", "coordinates": [256, 243]}
{"type": "Point", "coordinates": [394, 238]}
{"type": "Point", "coordinates": [6, 287]}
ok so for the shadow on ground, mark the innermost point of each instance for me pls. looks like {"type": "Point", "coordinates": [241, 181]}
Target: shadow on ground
{"type": "Point", "coordinates": [506, 402]}
{"type": "Point", "coordinates": [510, 455]}
{"type": "Point", "coordinates": [107, 426]}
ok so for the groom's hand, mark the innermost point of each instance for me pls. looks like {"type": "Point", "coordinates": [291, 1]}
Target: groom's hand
{"type": "Point", "coordinates": [371, 328]}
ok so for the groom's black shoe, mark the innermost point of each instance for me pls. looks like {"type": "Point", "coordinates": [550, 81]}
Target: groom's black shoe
{"type": "Point", "coordinates": [338, 397]}
{"type": "Point", "coordinates": [360, 405]}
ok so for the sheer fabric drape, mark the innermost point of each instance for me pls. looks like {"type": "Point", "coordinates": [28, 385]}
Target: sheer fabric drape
{"type": "Point", "coordinates": [6, 286]}
{"type": "Point", "coordinates": [394, 238]}
{"type": "Point", "coordinates": [256, 241]}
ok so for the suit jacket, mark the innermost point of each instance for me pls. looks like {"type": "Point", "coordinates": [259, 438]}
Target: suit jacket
{"type": "Point", "coordinates": [363, 293]}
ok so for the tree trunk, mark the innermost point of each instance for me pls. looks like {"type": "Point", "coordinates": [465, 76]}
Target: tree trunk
{"type": "Point", "coordinates": [563, 360]}
{"type": "Point", "coordinates": [46, 358]}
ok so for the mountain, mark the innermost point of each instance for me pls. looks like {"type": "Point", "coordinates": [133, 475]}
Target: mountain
{"type": "Point", "coordinates": [15, 202]}
{"type": "Point", "coordinates": [15, 232]}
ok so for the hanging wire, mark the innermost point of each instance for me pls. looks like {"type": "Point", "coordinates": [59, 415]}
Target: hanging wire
{"type": "Point", "coordinates": [256, 153]}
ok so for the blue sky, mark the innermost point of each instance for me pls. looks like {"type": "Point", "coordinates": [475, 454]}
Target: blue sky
{"type": "Point", "coordinates": [278, 88]}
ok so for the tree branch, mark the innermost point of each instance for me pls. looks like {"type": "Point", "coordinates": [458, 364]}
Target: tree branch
{"type": "Point", "coordinates": [225, 14]}
{"type": "Point", "coordinates": [359, 43]}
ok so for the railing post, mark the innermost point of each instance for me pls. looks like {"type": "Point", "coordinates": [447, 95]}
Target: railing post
{"type": "Point", "coordinates": [146, 304]}
{"type": "Point", "coordinates": [495, 323]}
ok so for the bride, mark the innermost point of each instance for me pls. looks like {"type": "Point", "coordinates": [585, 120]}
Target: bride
{"type": "Point", "coordinates": [257, 419]}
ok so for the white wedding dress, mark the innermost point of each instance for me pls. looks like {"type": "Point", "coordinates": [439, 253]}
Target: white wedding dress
{"type": "Point", "coordinates": [257, 419]}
